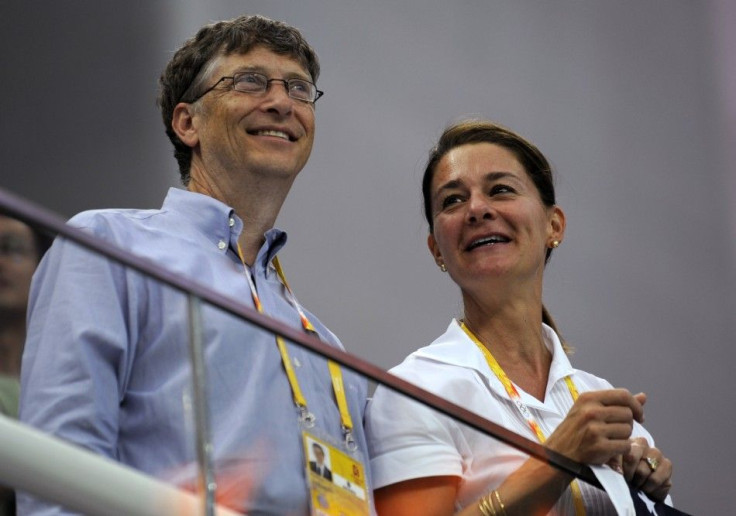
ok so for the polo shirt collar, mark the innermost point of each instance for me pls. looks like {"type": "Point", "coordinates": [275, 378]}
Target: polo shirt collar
{"type": "Point", "coordinates": [455, 348]}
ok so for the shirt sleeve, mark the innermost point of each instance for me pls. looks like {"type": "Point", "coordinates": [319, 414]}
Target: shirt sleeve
{"type": "Point", "coordinates": [408, 440]}
{"type": "Point", "coordinates": [76, 354]}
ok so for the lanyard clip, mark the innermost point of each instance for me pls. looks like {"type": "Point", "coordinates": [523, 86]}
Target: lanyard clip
{"type": "Point", "coordinates": [306, 418]}
{"type": "Point", "coordinates": [350, 443]}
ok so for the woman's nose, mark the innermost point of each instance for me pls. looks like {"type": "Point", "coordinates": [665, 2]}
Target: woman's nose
{"type": "Point", "coordinates": [479, 208]}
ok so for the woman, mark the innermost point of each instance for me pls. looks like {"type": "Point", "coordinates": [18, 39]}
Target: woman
{"type": "Point", "coordinates": [493, 222]}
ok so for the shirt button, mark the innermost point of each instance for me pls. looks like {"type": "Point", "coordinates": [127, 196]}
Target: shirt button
{"type": "Point", "coordinates": [221, 245]}
{"type": "Point", "coordinates": [231, 222]}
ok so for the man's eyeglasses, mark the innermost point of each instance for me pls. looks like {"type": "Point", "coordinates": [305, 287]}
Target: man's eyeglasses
{"type": "Point", "coordinates": [254, 82]}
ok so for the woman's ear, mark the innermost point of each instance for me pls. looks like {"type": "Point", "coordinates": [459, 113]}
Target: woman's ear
{"type": "Point", "coordinates": [557, 224]}
{"type": "Point", "coordinates": [182, 122]}
{"type": "Point", "coordinates": [435, 250]}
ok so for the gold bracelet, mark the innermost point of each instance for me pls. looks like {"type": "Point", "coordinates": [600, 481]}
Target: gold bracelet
{"type": "Point", "coordinates": [500, 503]}
{"type": "Point", "coordinates": [486, 506]}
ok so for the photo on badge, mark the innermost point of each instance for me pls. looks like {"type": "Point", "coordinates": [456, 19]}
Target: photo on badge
{"type": "Point", "coordinates": [336, 479]}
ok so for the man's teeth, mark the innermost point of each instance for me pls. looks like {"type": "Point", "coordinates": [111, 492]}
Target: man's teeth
{"type": "Point", "coordinates": [278, 134]}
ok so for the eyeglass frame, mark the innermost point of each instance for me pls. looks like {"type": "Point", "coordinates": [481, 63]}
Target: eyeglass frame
{"type": "Point", "coordinates": [286, 82]}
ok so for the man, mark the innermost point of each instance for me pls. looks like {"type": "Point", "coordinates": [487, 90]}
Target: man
{"type": "Point", "coordinates": [21, 249]}
{"type": "Point", "coordinates": [318, 464]}
{"type": "Point", "coordinates": [106, 361]}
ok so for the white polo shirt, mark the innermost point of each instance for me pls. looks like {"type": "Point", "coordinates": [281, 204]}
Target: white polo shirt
{"type": "Point", "coordinates": [407, 440]}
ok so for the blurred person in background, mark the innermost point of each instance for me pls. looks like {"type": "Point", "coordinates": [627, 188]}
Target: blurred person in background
{"type": "Point", "coordinates": [21, 248]}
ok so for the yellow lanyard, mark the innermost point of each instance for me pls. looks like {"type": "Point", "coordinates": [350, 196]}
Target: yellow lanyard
{"type": "Point", "coordinates": [306, 417]}
{"type": "Point", "coordinates": [577, 496]}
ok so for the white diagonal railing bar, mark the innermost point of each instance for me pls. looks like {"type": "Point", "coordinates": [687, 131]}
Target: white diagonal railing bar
{"type": "Point", "coordinates": [87, 482]}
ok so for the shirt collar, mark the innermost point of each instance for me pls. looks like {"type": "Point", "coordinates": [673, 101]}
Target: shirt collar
{"type": "Point", "coordinates": [218, 223]}
{"type": "Point", "coordinates": [455, 348]}
{"type": "Point", "coordinates": [275, 240]}
{"type": "Point", "coordinates": [560, 366]}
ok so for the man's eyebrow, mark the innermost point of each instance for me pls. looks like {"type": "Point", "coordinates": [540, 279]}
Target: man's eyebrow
{"type": "Point", "coordinates": [260, 69]}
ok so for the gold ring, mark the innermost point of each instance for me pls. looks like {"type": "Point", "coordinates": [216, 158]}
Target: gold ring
{"type": "Point", "coordinates": [652, 463]}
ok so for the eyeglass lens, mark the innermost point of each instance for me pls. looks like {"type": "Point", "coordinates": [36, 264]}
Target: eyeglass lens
{"type": "Point", "coordinates": [253, 82]}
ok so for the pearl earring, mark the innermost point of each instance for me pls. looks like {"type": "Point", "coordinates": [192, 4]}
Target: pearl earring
{"type": "Point", "coordinates": [443, 267]}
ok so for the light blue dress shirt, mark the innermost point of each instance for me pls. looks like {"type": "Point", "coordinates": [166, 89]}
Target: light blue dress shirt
{"type": "Point", "coordinates": [106, 360]}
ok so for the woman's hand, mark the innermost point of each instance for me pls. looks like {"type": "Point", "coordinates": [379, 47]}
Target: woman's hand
{"type": "Point", "coordinates": [646, 469]}
{"type": "Point", "coordinates": [598, 427]}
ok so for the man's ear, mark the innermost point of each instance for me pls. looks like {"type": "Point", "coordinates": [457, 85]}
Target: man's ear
{"type": "Point", "coordinates": [182, 122]}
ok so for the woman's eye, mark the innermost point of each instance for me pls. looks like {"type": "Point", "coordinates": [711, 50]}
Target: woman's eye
{"type": "Point", "coordinates": [450, 200]}
{"type": "Point", "coordinates": [501, 189]}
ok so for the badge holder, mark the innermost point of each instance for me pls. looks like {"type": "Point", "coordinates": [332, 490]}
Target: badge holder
{"type": "Point", "coordinates": [335, 476]}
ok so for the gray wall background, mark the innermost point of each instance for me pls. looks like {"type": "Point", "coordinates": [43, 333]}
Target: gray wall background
{"type": "Point", "coordinates": [632, 101]}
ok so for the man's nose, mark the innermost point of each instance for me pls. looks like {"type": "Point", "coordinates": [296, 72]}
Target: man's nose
{"type": "Point", "coordinates": [278, 98]}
